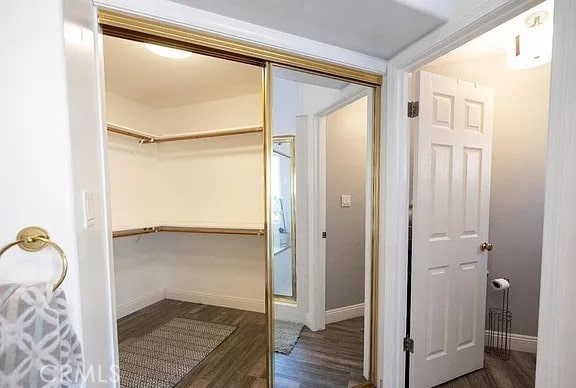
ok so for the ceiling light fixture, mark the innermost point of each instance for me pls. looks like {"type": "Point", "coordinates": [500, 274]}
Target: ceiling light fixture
{"type": "Point", "coordinates": [532, 47]}
{"type": "Point", "coordinates": [167, 52]}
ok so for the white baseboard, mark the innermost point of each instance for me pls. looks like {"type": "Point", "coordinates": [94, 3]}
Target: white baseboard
{"type": "Point", "coordinates": [520, 342]}
{"type": "Point", "coordinates": [129, 308]}
{"type": "Point", "coordinates": [344, 313]}
{"type": "Point", "coordinates": [217, 300]}
{"type": "Point", "coordinates": [289, 312]}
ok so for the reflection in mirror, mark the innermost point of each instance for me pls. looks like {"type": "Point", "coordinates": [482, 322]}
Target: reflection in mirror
{"type": "Point", "coordinates": [322, 230]}
{"type": "Point", "coordinates": [283, 221]}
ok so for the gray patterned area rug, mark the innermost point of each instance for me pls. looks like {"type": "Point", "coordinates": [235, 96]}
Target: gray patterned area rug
{"type": "Point", "coordinates": [286, 335]}
{"type": "Point", "coordinates": [161, 358]}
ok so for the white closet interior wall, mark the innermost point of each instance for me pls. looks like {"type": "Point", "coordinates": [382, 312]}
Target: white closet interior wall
{"type": "Point", "coordinates": [212, 182]}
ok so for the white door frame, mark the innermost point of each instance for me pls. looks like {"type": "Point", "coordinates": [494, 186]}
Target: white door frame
{"type": "Point", "coordinates": [559, 224]}
{"type": "Point", "coordinates": [317, 217]}
{"type": "Point", "coordinates": [316, 319]}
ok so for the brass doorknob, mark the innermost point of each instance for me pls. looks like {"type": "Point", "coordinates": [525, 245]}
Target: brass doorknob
{"type": "Point", "coordinates": [486, 246]}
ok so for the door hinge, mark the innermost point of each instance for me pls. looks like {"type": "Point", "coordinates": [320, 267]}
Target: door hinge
{"type": "Point", "coordinates": [413, 109]}
{"type": "Point", "coordinates": [323, 234]}
{"type": "Point", "coordinates": [408, 345]}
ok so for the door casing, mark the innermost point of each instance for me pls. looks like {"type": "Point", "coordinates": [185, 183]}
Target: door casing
{"type": "Point", "coordinates": [396, 175]}
{"type": "Point", "coordinates": [316, 319]}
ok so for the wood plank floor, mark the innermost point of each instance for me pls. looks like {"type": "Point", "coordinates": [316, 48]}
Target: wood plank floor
{"type": "Point", "coordinates": [517, 372]}
{"type": "Point", "coordinates": [240, 361]}
{"type": "Point", "coordinates": [328, 358]}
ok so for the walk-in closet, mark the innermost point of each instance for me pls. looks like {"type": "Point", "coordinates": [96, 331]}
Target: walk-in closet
{"type": "Point", "coordinates": [244, 210]}
{"type": "Point", "coordinates": [186, 183]}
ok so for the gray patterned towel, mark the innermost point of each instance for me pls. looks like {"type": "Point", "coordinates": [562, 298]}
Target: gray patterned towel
{"type": "Point", "coordinates": [38, 345]}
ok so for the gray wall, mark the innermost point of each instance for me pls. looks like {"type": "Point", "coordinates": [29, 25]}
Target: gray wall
{"type": "Point", "coordinates": [518, 175]}
{"type": "Point", "coordinates": [345, 174]}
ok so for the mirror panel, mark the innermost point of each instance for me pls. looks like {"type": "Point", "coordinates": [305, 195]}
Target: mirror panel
{"type": "Point", "coordinates": [322, 229]}
{"type": "Point", "coordinates": [283, 217]}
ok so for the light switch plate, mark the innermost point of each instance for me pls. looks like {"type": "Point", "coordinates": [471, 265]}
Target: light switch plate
{"type": "Point", "coordinates": [345, 200]}
{"type": "Point", "coordinates": [88, 199]}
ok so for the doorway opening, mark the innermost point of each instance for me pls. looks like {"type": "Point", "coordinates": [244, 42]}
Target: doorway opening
{"type": "Point", "coordinates": [478, 161]}
{"type": "Point", "coordinates": [245, 55]}
{"type": "Point", "coordinates": [186, 177]}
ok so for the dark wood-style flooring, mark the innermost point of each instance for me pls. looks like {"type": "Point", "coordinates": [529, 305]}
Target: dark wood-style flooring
{"type": "Point", "coordinates": [328, 358]}
{"type": "Point", "coordinates": [518, 371]}
{"type": "Point", "coordinates": [239, 361]}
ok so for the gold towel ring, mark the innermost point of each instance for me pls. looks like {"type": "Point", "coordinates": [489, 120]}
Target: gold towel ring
{"type": "Point", "coordinates": [41, 241]}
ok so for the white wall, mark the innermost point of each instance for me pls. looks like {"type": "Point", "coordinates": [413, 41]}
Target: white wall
{"type": "Point", "coordinates": [215, 182]}
{"type": "Point", "coordinates": [233, 112]}
{"type": "Point", "coordinates": [203, 182]}
{"type": "Point", "coordinates": [518, 177]}
{"type": "Point", "coordinates": [212, 182]}
{"type": "Point", "coordinates": [51, 151]}
{"type": "Point", "coordinates": [283, 272]}
{"type": "Point", "coordinates": [134, 182]}
{"type": "Point", "coordinates": [241, 111]}
{"type": "Point", "coordinates": [140, 272]}
{"type": "Point", "coordinates": [131, 114]}
{"type": "Point", "coordinates": [226, 270]}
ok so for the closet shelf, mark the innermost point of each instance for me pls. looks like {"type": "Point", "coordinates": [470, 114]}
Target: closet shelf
{"type": "Point", "coordinates": [187, 229]}
{"type": "Point", "coordinates": [147, 138]}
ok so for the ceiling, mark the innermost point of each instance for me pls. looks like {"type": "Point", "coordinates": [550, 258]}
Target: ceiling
{"type": "Point", "coordinates": [375, 27]}
{"type": "Point", "coordinates": [133, 72]}
{"type": "Point", "coordinates": [495, 41]}
{"type": "Point", "coordinates": [379, 28]}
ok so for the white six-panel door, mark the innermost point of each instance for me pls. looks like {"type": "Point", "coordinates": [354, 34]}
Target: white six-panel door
{"type": "Point", "coordinates": [451, 196]}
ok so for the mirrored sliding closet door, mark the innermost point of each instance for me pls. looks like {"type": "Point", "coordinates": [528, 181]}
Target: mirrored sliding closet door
{"type": "Point", "coordinates": [321, 229]}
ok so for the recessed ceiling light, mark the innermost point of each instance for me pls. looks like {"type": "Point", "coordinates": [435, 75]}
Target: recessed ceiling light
{"type": "Point", "coordinates": [167, 52]}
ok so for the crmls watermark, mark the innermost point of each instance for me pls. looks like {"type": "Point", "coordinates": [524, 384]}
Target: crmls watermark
{"type": "Point", "coordinates": [66, 374]}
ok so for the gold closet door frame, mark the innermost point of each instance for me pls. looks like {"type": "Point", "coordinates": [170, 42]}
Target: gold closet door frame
{"type": "Point", "coordinates": [141, 29]}
{"type": "Point", "coordinates": [375, 210]}
{"type": "Point", "coordinates": [146, 30]}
